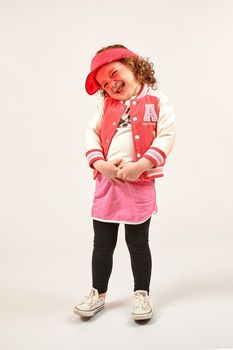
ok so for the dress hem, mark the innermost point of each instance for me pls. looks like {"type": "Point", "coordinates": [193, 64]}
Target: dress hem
{"type": "Point", "coordinates": [124, 221]}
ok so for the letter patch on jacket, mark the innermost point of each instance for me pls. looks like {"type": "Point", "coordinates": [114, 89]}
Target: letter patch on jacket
{"type": "Point", "coordinates": [150, 113]}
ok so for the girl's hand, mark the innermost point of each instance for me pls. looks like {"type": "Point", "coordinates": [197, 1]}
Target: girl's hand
{"type": "Point", "coordinates": [131, 171]}
{"type": "Point", "coordinates": [109, 169]}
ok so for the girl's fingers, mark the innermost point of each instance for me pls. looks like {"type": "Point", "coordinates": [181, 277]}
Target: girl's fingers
{"type": "Point", "coordinates": [116, 161]}
{"type": "Point", "coordinates": [121, 175]}
{"type": "Point", "coordinates": [121, 165]}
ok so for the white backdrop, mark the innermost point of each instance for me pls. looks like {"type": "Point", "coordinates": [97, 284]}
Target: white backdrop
{"type": "Point", "coordinates": [46, 186]}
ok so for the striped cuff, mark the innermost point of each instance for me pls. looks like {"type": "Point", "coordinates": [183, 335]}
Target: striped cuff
{"type": "Point", "coordinates": [152, 173]}
{"type": "Point", "coordinates": [155, 155]}
{"type": "Point", "coordinates": [94, 155]}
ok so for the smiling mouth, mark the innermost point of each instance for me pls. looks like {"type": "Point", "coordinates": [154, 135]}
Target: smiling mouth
{"type": "Point", "coordinates": [120, 88]}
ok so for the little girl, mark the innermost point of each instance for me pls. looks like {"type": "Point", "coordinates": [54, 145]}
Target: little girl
{"type": "Point", "coordinates": [127, 143]}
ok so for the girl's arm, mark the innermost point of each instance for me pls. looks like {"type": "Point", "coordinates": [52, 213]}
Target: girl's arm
{"type": "Point", "coordinates": [166, 133]}
{"type": "Point", "coordinates": [94, 151]}
{"type": "Point", "coordinates": [92, 145]}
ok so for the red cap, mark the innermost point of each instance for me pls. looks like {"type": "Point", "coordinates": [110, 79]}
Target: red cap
{"type": "Point", "coordinates": [100, 59]}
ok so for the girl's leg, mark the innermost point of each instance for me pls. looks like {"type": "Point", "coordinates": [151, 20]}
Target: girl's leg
{"type": "Point", "coordinates": [105, 239]}
{"type": "Point", "coordinates": [136, 237]}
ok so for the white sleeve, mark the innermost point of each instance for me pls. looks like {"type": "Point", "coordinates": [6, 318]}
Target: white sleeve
{"type": "Point", "coordinates": [166, 133]}
{"type": "Point", "coordinates": [92, 144]}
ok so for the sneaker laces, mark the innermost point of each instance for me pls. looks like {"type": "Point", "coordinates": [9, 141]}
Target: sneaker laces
{"type": "Point", "coordinates": [142, 300]}
{"type": "Point", "coordinates": [92, 297]}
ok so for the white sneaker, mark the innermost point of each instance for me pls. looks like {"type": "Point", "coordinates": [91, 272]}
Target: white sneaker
{"type": "Point", "coordinates": [142, 306]}
{"type": "Point", "coordinates": [90, 305]}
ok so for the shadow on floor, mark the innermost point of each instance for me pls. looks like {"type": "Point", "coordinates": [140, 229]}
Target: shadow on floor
{"type": "Point", "coordinates": [195, 287]}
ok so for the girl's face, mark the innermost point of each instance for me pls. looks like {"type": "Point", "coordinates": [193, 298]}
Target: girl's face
{"type": "Point", "coordinates": [118, 81]}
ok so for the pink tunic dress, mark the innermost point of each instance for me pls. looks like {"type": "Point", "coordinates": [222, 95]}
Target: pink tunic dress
{"type": "Point", "coordinates": [131, 202]}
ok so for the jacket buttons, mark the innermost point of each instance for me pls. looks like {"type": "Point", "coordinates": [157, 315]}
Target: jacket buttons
{"type": "Point", "coordinates": [139, 155]}
{"type": "Point", "coordinates": [135, 119]}
{"type": "Point", "coordinates": [114, 123]}
{"type": "Point", "coordinates": [134, 102]}
{"type": "Point", "coordinates": [137, 137]}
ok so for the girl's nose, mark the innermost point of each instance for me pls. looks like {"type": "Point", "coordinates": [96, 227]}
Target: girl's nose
{"type": "Point", "coordinates": [113, 84]}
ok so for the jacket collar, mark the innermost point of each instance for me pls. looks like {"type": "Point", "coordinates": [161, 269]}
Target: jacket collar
{"type": "Point", "coordinates": [142, 93]}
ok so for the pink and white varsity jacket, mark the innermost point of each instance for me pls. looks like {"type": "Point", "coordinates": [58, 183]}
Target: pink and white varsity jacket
{"type": "Point", "coordinates": [152, 124]}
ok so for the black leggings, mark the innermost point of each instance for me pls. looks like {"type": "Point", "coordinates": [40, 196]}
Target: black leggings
{"type": "Point", "coordinates": [105, 240]}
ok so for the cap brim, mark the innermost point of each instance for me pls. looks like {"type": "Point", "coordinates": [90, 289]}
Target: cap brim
{"type": "Point", "coordinates": [91, 85]}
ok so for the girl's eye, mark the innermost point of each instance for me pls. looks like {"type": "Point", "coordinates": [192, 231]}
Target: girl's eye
{"type": "Point", "coordinates": [112, 74]}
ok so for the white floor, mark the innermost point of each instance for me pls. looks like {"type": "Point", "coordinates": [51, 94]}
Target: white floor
{"type": "Point", "coordinates": [191, 288]}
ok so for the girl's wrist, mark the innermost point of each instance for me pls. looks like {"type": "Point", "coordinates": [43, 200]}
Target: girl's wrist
{"type": "Point", "coordinates": [144, 164]}
{"type": "Point", "coordinates": [98, 164]}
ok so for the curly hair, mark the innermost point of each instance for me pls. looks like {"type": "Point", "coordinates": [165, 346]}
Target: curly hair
{"type": "Point", "coordinates": [142, 68]}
